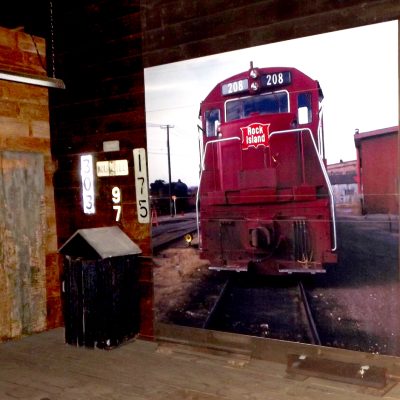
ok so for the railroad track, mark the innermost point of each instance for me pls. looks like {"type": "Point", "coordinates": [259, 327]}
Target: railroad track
{"type": "Point", "coordinates": [314, 334]}
{"type": "Point", "coordinates": [213, 312]}
{"type": "Point", "coordinates": [274, 307]}
{"type": "Point", "coordinates": [167, 233]}
{"type": "Point", "coordinates": [279, 310]}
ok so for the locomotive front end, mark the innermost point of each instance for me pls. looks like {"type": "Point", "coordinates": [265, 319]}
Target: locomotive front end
{"type": "Point", "coordinates": [265, 200]}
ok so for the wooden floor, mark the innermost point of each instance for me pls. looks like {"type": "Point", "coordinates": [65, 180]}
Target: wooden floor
{"type": "Point", "coordinates": [42, 367]}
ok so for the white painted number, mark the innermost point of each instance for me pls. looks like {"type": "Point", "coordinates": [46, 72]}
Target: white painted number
{"type": "Point", "coordinates": [142, 191]}
{"type": "Point", "coordinates": [116, 198]}
{"type": "Point", "coordinates": [275, 79]}
{"type": "Point", "coordinates": [87, 184]}
{"type": "Point", "coordinates": [116, 195]}
{"type": "Point", "coordinates": [234, 87]}
{"type": "Point", "coordinates": [118, 208]}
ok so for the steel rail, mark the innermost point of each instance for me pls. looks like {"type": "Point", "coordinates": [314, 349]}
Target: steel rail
{"type": "Point", "coordinates": [163, 239]}
{"type": "Point", "coordinates": [313, 327]}
{"type": "Point", "coordinates": [216, 305]}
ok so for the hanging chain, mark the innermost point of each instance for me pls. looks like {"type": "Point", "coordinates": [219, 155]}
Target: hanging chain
{"type": "Point", "coordinates": [52, 48]}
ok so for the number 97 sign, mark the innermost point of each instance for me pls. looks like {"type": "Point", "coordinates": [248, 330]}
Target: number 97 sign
{"type": "Point", "coordinates": [142, 191]}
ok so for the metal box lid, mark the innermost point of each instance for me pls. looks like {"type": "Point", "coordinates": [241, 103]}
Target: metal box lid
{"type": "Point", "coordinates": [99, 243]}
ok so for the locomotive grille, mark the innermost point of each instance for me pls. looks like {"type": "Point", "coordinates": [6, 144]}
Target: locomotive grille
{"type": "Point", "coordinates": [230, 237]}
{"type": "Point", "coordinates": [301, 241]}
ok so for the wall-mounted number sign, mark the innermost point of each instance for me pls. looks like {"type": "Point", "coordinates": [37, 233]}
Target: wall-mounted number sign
{"type": "Point", "coordinates": [141, 183]}
{"type": "Point", "coordinates": [87, 184]}
{"type": "Point", "coordinates": [116, 198]}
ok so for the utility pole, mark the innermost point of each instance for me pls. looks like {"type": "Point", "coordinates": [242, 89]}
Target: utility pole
{"type": "Point", "coordinates": [167, 127]}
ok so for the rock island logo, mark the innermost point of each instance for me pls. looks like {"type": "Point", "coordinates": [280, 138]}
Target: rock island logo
{"type": "Point", "coordinates": [255, 135]}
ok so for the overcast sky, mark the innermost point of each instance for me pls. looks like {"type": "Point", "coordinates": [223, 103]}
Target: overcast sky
{"type": "Point", "coordinates": [357, 70]}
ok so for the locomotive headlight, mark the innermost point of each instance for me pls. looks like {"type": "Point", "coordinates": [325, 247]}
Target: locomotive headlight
{"type": "Point", "coordinates": [188, 239]}
{"type": "Point", "coordinates": [254, 86]}
{"type": "Point", "coordinates": [253, 73]}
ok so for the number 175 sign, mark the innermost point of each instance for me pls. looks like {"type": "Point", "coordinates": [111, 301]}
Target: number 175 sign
{"type": "Point", "coordinates": [142, 191]}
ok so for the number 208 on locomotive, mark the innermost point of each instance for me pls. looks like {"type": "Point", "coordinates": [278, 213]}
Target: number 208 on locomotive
{"type": "Point", "coordinates": [265, 201]}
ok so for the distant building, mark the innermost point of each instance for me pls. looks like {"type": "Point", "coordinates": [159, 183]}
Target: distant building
{"type": "Point", "coordinates": [343, 177]}
{"type": "Point", "coordinates": [377, 164]}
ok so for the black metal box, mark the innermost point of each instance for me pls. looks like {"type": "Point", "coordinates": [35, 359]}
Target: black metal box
{"type": "Point", "coordinates": [100, 287]}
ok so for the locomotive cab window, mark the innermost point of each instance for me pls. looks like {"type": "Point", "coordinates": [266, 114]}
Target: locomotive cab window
{"type": "Point", "coordinates": [213, 119]}
{"type": "Point", "coordinates": [270, 103]}
{"type": "Point", "coordinates": [304, 113]}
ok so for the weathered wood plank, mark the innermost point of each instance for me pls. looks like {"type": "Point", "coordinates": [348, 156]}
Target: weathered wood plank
{"type": "Point", "coordinates": [23, 244]}
{"type": "Point", "coordinates": [91, 133]}
{"type": "Point", "coordinates": [43, 366]}
{"type": "Point", "coordinates": [238, 15]}
{"type": "Point", "coordinates": [103, 106]}
{"type": "Point", "coordinates": [239, 31]}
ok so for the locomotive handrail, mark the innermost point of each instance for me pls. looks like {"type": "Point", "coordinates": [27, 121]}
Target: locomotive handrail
{"type": "Point", "coordinates": [324, 172]}
{"type": "Point", "coordinates": [201, 175]}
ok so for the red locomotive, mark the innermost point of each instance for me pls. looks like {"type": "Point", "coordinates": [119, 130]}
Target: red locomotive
{"type": "Point", "coordinates": [264, 198]}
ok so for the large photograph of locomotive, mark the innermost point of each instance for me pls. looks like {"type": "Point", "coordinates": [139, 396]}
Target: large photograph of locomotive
{"type": "Point", "coordinates": [273, 182]}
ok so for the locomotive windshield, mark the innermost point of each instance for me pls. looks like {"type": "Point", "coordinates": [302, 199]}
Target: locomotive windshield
{"type": "Point", "coordinates": [269, 103]}
{"type": "Point", "coordinates": [212, 120]}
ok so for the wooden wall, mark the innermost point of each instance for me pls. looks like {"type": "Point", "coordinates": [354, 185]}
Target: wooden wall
{"type": "Point", "coordinates": [178, 30]}
{"type": "Point", "coordinates": [28, 245]}
{"type": "Point", "coordinates": [98, 55]}
{"type": "Point", "coordinates": [101, 49]}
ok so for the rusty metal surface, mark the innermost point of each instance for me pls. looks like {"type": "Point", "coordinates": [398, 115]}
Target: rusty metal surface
{"type": "Point", "coordinates": [270, 349]}
{"type": "Point", "coordinates": [354, 373]}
